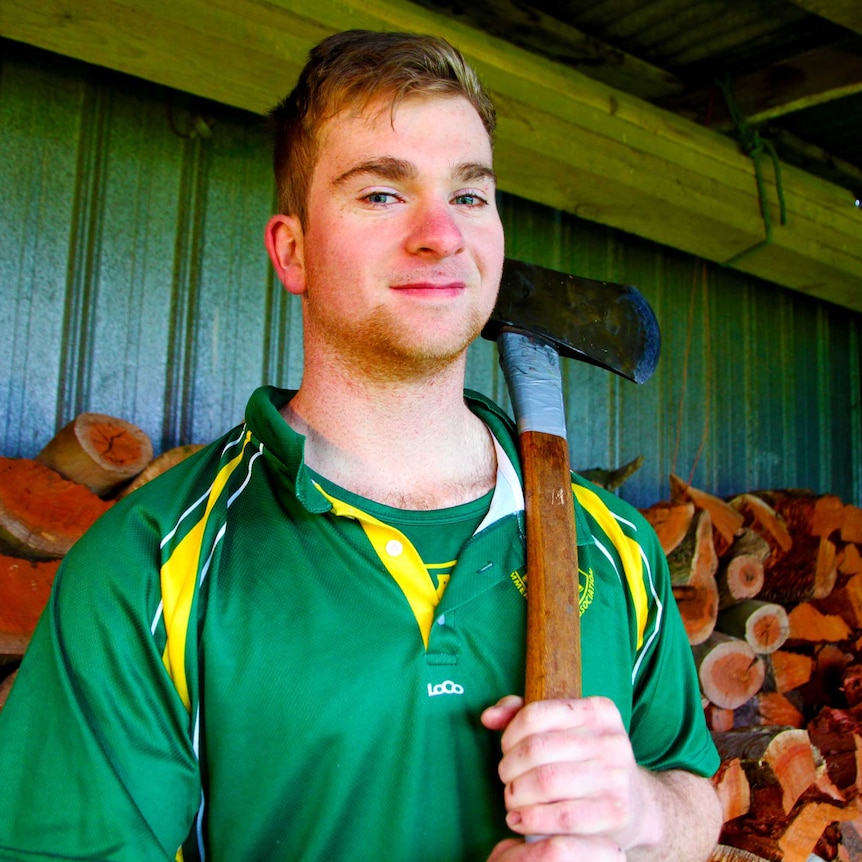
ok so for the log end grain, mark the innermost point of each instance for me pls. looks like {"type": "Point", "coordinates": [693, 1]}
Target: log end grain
{"type": "Point", "coordinates": [42, 514]}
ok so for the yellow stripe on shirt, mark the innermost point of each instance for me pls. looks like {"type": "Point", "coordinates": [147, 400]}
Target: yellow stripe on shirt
{"type": "Point", "coordinates": [627, 548]}
{"type": "Point", "coordinates": [179, 575]}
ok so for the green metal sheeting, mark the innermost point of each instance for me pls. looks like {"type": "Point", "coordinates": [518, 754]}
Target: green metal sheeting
{"type": "Point", "coordinates": [133, 281]}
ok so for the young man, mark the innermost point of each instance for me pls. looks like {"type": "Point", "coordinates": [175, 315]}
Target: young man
{"type": "Point", "coordinates": [306, 642]}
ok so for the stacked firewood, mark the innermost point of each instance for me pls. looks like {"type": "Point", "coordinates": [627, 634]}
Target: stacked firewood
{"type": "Point", "coordinates": [769, 585]}
{"type": "Point", "coordinates": [47, 503]}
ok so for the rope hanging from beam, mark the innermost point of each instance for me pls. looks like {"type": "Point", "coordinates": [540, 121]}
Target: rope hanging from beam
{"type": "Point", "coordinates": [754, 146]}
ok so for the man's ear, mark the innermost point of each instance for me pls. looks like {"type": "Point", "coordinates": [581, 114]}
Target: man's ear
{"type": "Point", "coordinates": [284, 242]}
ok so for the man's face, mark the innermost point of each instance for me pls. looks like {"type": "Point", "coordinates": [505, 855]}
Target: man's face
{"type": "Point", "coordinates": [403, 247]}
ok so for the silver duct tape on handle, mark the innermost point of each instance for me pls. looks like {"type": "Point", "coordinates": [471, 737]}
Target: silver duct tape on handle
{"type": "Point", "coordinates": [531, 367]}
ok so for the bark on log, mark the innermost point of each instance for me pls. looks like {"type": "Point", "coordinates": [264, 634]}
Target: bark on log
{"type": "Point", "coordinates": [729, 671]}
{"type": "Point", "coordinates": [837, 735]}
{"type": "Point", "coordinates": [726, 521]}
{"type": "Point", "coordinates": [726, 853]}
{"type": "Point", "coordinates": [806, 513]}
{"type": "Point", "coordinates": [808, 571]}
{"type": "Point", "coordinates": [764, 625]}
{"type": "Point", "coordinates": [98, 451]}
{"type": "Point", "coordinates": [763, 519]}
{"type": "Point", "coordinates": [768, 708]}
{"type": "Point", "coordinates": [786, 839]}
{"type": "Point", "coordinates": [159, 465]}
{"type": "Point", "coordinates": [851, 685]}
{"type": "Point", "coordinates": [778, 762]}
{"type": "Point", "coordinates": [692, 568]}
{"type": "Point", "coordinates": [670, 522]}
{"type": "Point", "coordinates": [740, 569]}
{"type": "Point", "coordinates": [42, 514]}
{"type": "Point", "coordinates": [24, 590]}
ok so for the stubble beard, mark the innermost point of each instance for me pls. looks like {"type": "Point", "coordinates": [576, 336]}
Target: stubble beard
{"type": "Point", "coordinates": [383, 350]}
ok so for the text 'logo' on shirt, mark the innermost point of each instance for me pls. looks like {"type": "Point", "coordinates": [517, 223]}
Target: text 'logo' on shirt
{"type": "Point", "coordinates": [447, 687]}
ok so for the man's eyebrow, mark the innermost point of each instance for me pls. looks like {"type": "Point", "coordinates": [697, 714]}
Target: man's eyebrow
{"type": "Point", "coordinates": [390, 168]}
{"type": "Point", "coordinates": [386, 168]}
{"type": "Point", "coordinates": [473, 171]}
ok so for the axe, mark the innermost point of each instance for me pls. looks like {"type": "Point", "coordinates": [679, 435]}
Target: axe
{"type": "Point", "coordinates": [541, 315]}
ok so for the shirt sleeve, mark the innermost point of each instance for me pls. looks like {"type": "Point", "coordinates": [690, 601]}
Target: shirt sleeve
{"type": "Point", "coordinates": [96, 759]}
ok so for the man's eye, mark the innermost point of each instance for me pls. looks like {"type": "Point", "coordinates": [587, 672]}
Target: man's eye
{"type": "Point", "coordinates": [469, 199]}
{"type": "Point", "coordinates": [380, 198]}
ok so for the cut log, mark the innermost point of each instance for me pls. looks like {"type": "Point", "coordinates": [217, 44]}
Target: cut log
{"type": "Point", "coordinates": [24, 590]}
{"type": "Point", "coordinates": [851, 528]}
{"type": "Point", "coordinates": [42, 514]}
{"type": "Point", "coordinates": [764, 625]}
{"type": "Point", "coordinates": [786, 839]}
{"type": "Point", "coordinates": [670, 522]}
{"type": "Point", "coordinates": [718, 719]}
{"type": "Point", "coordinates": [788, 670]}
{"type": "Point", "coordinates": [778, 762]}
{"type": "Point", "coordinates": [850, 561]}
{"type": "Point", "coordinates": [6, 687]}
{"type": "Point", "coordinates": [159, 465]}
{"type": "Point", "coordinates": [729, 671]}
{"type": "Point", "coordinates": [768, 708]}
{"type": "Point", "coordinates": [98, 451]}
{"type": "Point", "coordinates": [807, 623]}
{"type": "Point", "coordinates": [740, 569]}
{"type": "Point", "coordinates": [837, 735]}
{"type": "Point", "coordinates": [845, 600]}
{"type": "Point", "coordinates": [807, 513]}
{"type": "Point", "coordinates": [763, 519]}
{"type": "Point", "coordinates": [808, 571]}
{"type": "Point", "coordinates": [692, 572]}
{"type": "Point", "coordinates": [726, 521]}
{"type": "Point", "coordinates": [732, 788]}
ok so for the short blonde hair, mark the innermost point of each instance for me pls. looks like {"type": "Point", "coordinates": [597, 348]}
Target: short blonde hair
{"type": "Point", "coordinates": [355, 68]}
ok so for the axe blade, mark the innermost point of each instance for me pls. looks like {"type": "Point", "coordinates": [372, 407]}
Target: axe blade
{"type": "Point", "coordinates": [598, 322]}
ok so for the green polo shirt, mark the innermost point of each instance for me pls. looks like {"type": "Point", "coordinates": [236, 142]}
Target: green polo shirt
{"type": "Point", "coordinates": [244, 664]}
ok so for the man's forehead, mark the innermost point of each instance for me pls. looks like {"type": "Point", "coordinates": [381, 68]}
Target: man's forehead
{"type": "Point", "coordinates": [370, 112]}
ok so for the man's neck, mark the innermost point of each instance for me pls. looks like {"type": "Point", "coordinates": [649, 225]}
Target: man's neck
{"type": "Point", "coordinates": [412, 444]}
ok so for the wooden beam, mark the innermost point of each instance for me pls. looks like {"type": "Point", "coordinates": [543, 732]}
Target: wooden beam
{"type": "Point", "coordinates": [800, 82]}
{"type": "Point", "coordinates": [847, 13]}
{"type": "Point", "coordinates": [564, 140]}
{"type": "Point", "coordinates": [548, 36]}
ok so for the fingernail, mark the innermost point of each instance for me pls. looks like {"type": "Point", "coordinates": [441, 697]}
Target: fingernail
{"type": "Point", "coordinates": [513, 818]}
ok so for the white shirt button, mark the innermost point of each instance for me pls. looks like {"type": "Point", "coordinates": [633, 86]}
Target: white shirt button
{"type": "Point", "coordinates": [394, 548]}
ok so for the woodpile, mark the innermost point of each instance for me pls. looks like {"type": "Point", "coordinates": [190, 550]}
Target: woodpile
{"type": "Point", "coordinates": [769, 585]}
{"type": "Point", "coordinates": [47, 503]}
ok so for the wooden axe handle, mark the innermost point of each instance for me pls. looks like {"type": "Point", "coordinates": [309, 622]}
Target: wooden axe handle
{"type": "Point", "coordinates": [532, 370]}
{"type": "Point", "coordinates": [553, 619]}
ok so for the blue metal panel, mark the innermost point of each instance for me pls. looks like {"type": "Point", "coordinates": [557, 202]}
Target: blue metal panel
{"type": "Point", "coordinates": [133, 281]}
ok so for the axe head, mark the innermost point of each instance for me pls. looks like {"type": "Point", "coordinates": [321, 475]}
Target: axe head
{"type": "Point", "coordinates": [605, 324]}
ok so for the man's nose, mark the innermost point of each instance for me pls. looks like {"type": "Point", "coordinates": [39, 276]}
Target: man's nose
{"type": "Point", "coordinates": [435, 230]}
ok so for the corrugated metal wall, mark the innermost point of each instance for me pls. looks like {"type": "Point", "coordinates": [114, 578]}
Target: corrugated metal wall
{"type": "Point", "coordinates": [133, 281]}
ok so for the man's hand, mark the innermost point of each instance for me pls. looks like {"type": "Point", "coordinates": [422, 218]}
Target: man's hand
{"type": "Point", "coordinates": [570, 773]}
